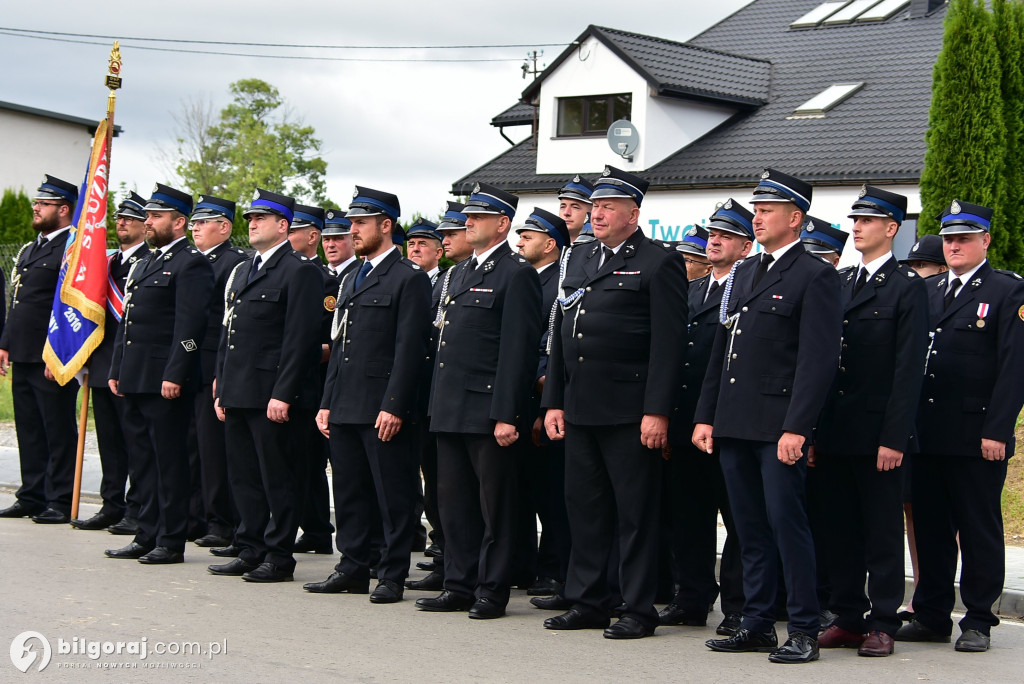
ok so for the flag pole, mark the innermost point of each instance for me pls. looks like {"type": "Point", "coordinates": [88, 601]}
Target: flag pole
{"type": "Point", "coordinates": [113, 82]}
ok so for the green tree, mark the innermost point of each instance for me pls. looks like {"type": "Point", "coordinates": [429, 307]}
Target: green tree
{"type": "Point", "coordinates": [255, 142]}
{"type": "Point", "coordinates": [966, 137]}
{"type": "Point", "coordinates": [1008, 18]}
{"type": "Point", "coordinates": [15, 218]}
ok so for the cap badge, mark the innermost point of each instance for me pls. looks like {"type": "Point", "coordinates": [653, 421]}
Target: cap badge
{"type": "Point", "coordinates": [330, 214]}
{"type": "Point", "coordinates": [607, 171]}
{"type": "Point", "coordinates": [765, 174]}
{"type": "Point", "coordinates": [156, 188]}
{"type": "Point", "coordinates": [576, 178]}
{"type": "Point", "coordinates": [810, 228]}
{"type": "Point", "coordinates": [728, 204]}
{"type": "Point", "coordinates": [917, 246]}
{"type": "Point", "coordinates": [863, 191]}
{"type": "Point", "coordinates": [476, 188]}
{"type": "Point", "coordinates": [200, 200]}
{"type": "Point", "coordinates": [954, 208]}
{"type": "Point", "coordinates": [256, 195]}
{"type": "Point", "coordinates": [355, 193]}
{"type": "Point", "coordinates": [691, 232]}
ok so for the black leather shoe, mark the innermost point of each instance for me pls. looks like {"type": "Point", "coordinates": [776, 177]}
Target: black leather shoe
{"type": "Point", "coordinates": [99, 521]}
{"type": "Point", "coordinates": [433, 551]}
{"type": "Point", "coordinates": [125, 527]}
{"type": "Point", "coordinates": [915, 631]}
{"type": "Point", "coordinates": [799, 648]}
{"type": "Point", "coordinates": [51, 516]}
{"type": "Point", "coordinates": [387, 592]}
{"type": "Point", "coordinates": [729, 624]}
{"type": "Point", "coordinates": [544, 586]}
{"type": "Point", "coordinates": [447, 602]}
{"type": "Point", "coordinates": [230, 551]}
{"type": "Point", "coordinates": [575, 618]}
{"type": "Point", "coordinates": [486, 609]}
{"type": "Point", "coordinates": [619, 610]}
{"type": "Point", "coordinates": [745, 641]}
{"type": "Point", "coordinates": [133, 551]}
{"type": "Point", "coordinates": [212, 541]}
{"type": "Point", "coordinates": [628, 628]}
{"type": "Point", "coordinates": [429, 566]}
{"type": "Point", "coordinates": [972, 641]}
{"type": "Point", "coordinates": [432, 582]}
{"type": "Point", "coordinates": [235, 568]}
{"type": "Point", "coordinates": [19, 510]}
{"type": "Point", "coordinates": [303, 545]}
{"type": "Point", "coordinates": [268, 572]}
{"type": "Point", "coordinates": [337, 583]}
{"type": "Point", "coordinates": [555, 602]}
{"type": "Point", "coordinates": [677, 615]}
{"type": "Point", "coordinates": [162, 555]}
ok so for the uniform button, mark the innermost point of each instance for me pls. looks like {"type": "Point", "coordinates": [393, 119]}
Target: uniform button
{"type": "Point", "coordinates": [128, 342]}
{"type": "Point", "coordinates": [440, 365]}
{"type": "Point", "coordinates": [620, 284]}
{"type": "Point", "coordinates": [580, 359]}
{"type": "Point", "coordinates": [263, 296]}
{"type": "Point", "coordinates": [231, 346]}
{"type": "Point", "coordinates": [582, 311]}
{"type": "Point", "coordinates": [589, 289]}
{"type": "Point", "coordinates": [129, 322]}
{"type": "Point", "coordinates": [694, 324]}
{"type": "Point", "coordinates": [842, 393]}
{"type": "Point", "coordinates": [735, 356]}
{"type": "Point", "coordinates": [744, 309]}
{"type": "Point", "coordinates": [579, 336]}
{"type": "Point", "coordinates": [477, 301]}
{"type": "Point", "coordinates": [773, 308]}
{"type": "Point", "coordinates": [732, 381]}
{"type": "Point", "coordinates": [488, 387]}
{"type": "Point", "coordinates": [784, 390]}
{"type": "Point", "coordinates": [738, 331]}
{"type": "Point", "coordinates": [938, 330]}
{"type": "Point", "coordinates": [842, 370]}
{"type": "Point", "coordinates": [846, 322]}
{"type": "Point", "coordinates": [935, 352]}
{"type": "Point", "coordinates": [684, 387]}
{"type": "Point", "coordinates": [844, 346]}
{"type": "Point", "coordinates": [931, 401]}
{"type": "Point", "coordinates": [443, 343]}
{"type": "Point", "coordinates": [351, 304]}
{"type": "Point", "coordinates": [931, 375]}
{"type": "Point", "coordinates": [690, 344]}
{"type": "Point", "coordinates": [447, 322]}
{"type": "Point", "coordinates": [686, 365]}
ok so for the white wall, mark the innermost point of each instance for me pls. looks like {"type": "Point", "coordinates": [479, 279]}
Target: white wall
{"type": "Point", "coordinates": [665, 215]}
{"type": "Point", "coordinates": [33, 146]}
{"type": "Point", "coordinates": [665, 125]}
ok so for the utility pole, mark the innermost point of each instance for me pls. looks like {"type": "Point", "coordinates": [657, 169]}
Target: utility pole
{"type": "Point", "coordinates": [527, 68]}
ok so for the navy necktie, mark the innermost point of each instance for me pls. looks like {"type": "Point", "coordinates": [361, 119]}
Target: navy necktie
{"type": "Point", "coordinates": [363, 272]}
{"type": "Point", "coordinates": [255, 268]}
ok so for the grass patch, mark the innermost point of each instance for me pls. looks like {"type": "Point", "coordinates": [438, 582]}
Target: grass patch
{"type": "Point", "coordinates": [7, 404]}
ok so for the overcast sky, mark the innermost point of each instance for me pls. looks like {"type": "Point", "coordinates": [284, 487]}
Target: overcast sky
{"type": "Point", "coordinates": [405, 127]}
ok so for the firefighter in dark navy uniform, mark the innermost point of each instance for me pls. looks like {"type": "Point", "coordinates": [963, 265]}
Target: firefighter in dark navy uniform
{"type": "Point", "coordinates": [267, 386]}
{"type": "Point", "coordinates": [484, 367]}
{"type": "Point", "coordinates": [211, 224]}
{"type": "Point", "coordinates": [770, 369]}
{"type": "Point", "coordinates": [615, 365]}
{"type": "Point", "coordinates": [369, 402]}
{"type": "Point", "coordinates": [44, 412]}
{"type": "Point", "coordinates": [156, 366]}
{"type": "Point", "coordinates": [866, 427]}
{"type": "Point", "coordinates": [966, 417]}
{"type": "Point", "coordinates": [693, 477]}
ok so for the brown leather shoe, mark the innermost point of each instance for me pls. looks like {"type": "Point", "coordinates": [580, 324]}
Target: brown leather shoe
{"type": "Point", "coordinates": [837, 637]}
{"type": "Point", "coordinates": [877, 645]}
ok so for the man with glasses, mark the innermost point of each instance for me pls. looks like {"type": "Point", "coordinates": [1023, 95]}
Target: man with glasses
{"type": "Point", "coordinates": [44, 412]}
{"type": "Point", "coordinates": [211, 232]}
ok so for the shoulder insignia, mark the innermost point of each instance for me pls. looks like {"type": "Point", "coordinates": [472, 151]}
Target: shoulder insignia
{"type": "Point", "coordinates": [239, 250]}
{"type": "Point", "coordinates": [303, 257]}
{"type": "Point", "coordinates": [414, 265]}
{"type": "Point", "coordinates": [489, 266]}
{"type": "Point", "coordinates": [823, 259]}
{"type": "Point", "coordinates": [1012, 274]}
{"type": "Point", "coordinates": [189, 345]}
{"type": "Point", "coordinates": [521, 260]}
{"type": "Point", "coordinates": [194, 250]}
{"type": "Point", "coordinates": [330, 302]}
{"type": "Point", "coordinates": [594, 250]}
{"type": "Point", "coordinates": [213, 257]}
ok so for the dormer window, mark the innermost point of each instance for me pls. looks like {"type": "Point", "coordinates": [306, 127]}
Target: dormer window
{"type": "Point", "coordinates": [591, 115]}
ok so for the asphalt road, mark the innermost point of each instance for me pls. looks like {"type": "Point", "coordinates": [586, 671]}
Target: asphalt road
{"type": "Point", "coordinates": [56, 581]}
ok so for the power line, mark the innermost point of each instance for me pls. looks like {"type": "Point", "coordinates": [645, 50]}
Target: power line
{"type": "Point", "coordinates": [8, 32]}
{"type": "Point", "coordinates": [283, 45]}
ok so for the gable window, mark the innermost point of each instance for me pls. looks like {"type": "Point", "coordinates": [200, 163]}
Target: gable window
{"type": "Point", "coordinates": [591, 115]}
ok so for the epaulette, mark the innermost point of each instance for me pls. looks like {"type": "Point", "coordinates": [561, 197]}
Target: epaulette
{"type": "Point", "coordinates": [410, 264]}
{"type": "Point", "coordinates": [1012, 274]}
{"type": "Point", "coordinates": [699, 282]}
{"type": "Point", "coordinates": [300, 257]}
{"type": "Point", "coordinates": [847, 269]}
{"type": "Point", "coordinates": [239, 250]}
{"type": "Point", "coordinates": [910, 273]}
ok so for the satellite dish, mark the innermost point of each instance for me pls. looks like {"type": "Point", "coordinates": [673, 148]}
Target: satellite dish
{"type": "Point", "coordinates": [623, 138]}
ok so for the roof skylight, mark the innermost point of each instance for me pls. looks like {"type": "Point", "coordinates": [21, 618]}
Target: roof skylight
{"type": "Point", "coordinates": [883, 10]}
{"type": "Point", "coordinates": [827, 99]}
{"type": "Point", "coordinates": [850, 12]}
{"type": "Point", "coordinates": [816, 15]}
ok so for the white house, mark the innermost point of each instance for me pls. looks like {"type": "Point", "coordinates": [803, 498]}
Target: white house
{"type": "Point", "coordinates": [836, 93]}
{"type": "Point", "coordinates": [37, 141]}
